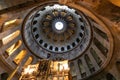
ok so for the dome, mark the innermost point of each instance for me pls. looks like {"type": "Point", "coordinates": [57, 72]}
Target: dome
{"type": "Point", "coordinates": [57, 31]}
{"type": "Point", "coordinates": [65, 39]}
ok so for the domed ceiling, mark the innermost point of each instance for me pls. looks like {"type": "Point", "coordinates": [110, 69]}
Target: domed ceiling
{"type": "Point", "coordinates": [59, 32]}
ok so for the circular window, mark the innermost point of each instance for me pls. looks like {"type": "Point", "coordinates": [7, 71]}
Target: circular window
{"type": "Point", "coordinates": [59, 26]}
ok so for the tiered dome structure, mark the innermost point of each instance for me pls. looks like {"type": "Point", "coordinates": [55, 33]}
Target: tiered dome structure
{"type": "Point", "coordinates": [41, 30]}
{"type": "Point", "coordinates": [61, 30]}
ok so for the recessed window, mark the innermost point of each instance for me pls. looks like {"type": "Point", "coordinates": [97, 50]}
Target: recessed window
{"type": "Point", "coordinates": [20, 57]}
{"type": "Point", "coordinates": [29, 61]}
{"type": "Point", "coordinates": [62, 49]}
{"type": "Point", "coordinates": [45, 45]}
{"type": "Point", "coordinates": [80, 34]}
{"type": "Point", "coordinates": [12, 48]}
{"type": "Point", "coordinates": [78, 40]}
{"type": "Point", "coordinates": [11, 24]}
{"type": "Point", "coordinates": [51, 48]}
{"type": "Point", "coordinates": [37, 15]}
{"type": "Point", "coordinates": [96, 57]}
{"type": "Point", "coordinates": [36, 36]}
{"type": "Point", "coordinates": [81, 68]}
{"type": "Point", "coordinates": [34, 22]}
{"type": "Point", "coordinates": [100, 46]}
{"type": "Point", "coordinates": [10, 37]}
{"type": "Point", "coordinates": [81, 20]}
{"type": "Point", "coordinates": [73, 44]}
{"type": "Point", "coordinates": [68, 47]}
{"type": "Point", "coordinates": [41, 41]}
{"type": "Point", "coordinates": [101, 33]}
{"type": "Point", "coordinates": [82, 27]}
{"type": "Point", "coordinates": [34, 29]}
{"type": "Point", "coordinates": [56, 49]}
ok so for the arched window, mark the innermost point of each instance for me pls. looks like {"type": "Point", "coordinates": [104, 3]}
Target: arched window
{"type": "Point", "coordinates": [103, 49]}
{"type": "Point", "coordinates": [12, 48]}
{"type": "Point", "coordinates": [72, 69]}
{"type": "Point", "coordinates": [20, 56]}
{"type": "Point", "coordinates": [110, 77]}
{"type": "Point", "coordinates": [81, 68]}
{"type": "Point", "coordinates": [101, 33]}
{"type": "Point", "coordinates": [96, 57]}
{"type": "Point", "coordinates": [29, 61]}
{"type": "Point", "coordinates": [89, 64]}
{"type": "Point", "coordinates": [10, 24]}
{"type": "Point", "coordinates": [10, 37]}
